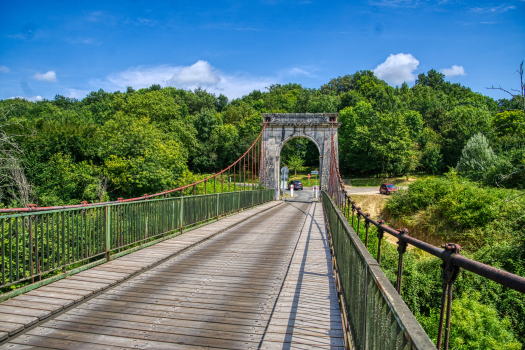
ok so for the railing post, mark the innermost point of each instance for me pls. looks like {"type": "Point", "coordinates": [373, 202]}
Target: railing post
{"type": "Point", "coordinates": [217, 206]}
{"type": "Point", "coordinates": [365, 309]}
{"type": "Point", "coordinates": [367, 226]}
{"type": "Point", "coordinates": [107, 232]}
{"type": "Point", "coordinates": [402, 247]}
{"type": "Point", "coordinates": [353, 212]}
{"type": "Point", "coordinates": [380, 233]}
{"type": "Point", "coordinates": [449, 274]}
{"type": "Point", "coordinates": [181, 210]}
{"type": "Point", "coordinates": [63, 242]}
{"type": "Point", "coordinates": [358, 220]}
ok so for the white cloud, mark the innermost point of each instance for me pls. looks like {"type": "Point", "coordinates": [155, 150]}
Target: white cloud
{"type": "Point", "coordinates": [32, 99]}
{"type": "Point", "coordinates": [78, 94]}
{"type": "Point", "coordinates": [200, 74]}
{"type": "Point", "coordinates": [87, 41]}
{"type": "Point", "coordinates": [4, 69]}
{"type": "Point", "coordinates": [397, 69]}
{"type": "Point", "coordinates": [453, 71]}
{"type": "Point", "coordinates": [494, 9]}
{"type": "Point", "coordinates": [295, 71]}
{"type": "Point", "coordinates": [49, 76]}
{"type": "Point", "coordinates": [396, 3]}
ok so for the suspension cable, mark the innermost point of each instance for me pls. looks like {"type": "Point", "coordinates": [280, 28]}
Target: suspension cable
{"type": "Point", "coordinates": [32, 207]}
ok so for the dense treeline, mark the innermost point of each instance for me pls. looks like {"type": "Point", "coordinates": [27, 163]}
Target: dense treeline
{"type": "Point", "coordinates": [124, 144]}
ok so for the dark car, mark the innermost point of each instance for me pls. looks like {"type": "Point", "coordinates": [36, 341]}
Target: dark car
{"type": "Point", "coordinates": [387, 188]}
{"type": "Point", "coordinates": [297, 185]}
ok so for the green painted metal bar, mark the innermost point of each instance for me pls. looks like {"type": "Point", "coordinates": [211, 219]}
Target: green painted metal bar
{"type": "Point", "coordinates": [37, 245]}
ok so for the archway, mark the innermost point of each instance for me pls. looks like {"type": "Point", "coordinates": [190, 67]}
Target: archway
{"type": "Point", "coordinates": [281, 127]}
{"type": "Point", "coordinates": [301, 155]}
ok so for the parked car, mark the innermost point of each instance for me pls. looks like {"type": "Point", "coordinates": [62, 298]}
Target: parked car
{"type": "Point", "coordinates": [297, 185]}
{"type": "Point", "coordinates": [387, 188]}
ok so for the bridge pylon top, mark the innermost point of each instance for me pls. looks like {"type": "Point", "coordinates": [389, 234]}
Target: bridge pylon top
{"type": "Point", "coordinates": [307, 119]}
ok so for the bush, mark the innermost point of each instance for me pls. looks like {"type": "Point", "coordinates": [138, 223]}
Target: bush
{"type": "Point", "coordinates": [473, 326]}
{"type": "Point", "coordinates": [457, 209]}
{"type": "Point", "coordinates": [488, 223]}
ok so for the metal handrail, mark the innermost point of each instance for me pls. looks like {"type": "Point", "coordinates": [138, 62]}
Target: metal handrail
{"type": "Point", "coordinates": [449, 253]}
{"type": "Point", "coordinates": [34, 246]}
{"type": "Point", "coordinates": [365, 291]}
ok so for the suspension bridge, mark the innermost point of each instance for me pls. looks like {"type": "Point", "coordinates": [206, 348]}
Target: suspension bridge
{"type": "Point", "coordinates": [232, 268]}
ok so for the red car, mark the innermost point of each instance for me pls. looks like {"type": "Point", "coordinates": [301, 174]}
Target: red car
{"type": "Point", "coordinates": [387, 188]}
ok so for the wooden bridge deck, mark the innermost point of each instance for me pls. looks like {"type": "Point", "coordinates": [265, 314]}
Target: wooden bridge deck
{"type": "Point", "coordinates": [266, 283]}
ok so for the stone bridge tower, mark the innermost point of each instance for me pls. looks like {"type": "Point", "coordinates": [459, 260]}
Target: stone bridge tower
{"type": "Point", "coordinates": [282, 127]}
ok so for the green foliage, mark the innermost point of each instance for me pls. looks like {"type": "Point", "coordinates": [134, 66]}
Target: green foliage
{"type": "Point", "coordinates": [488, 223]}
{"type": "Point", "coordinates": [138, 158]}
{"type": "Point", "coordinates": [510, 122]}
{"type": "Point", "coordinates": [484, 314]}
{"type": "Point", "coordinates": [296, 164]}
{"type": "Point", "coordinates": [459, 210]}
{"type": "Point", "coordinates": [383, 137]}
{"type": "Point", "coordinates": [385, 130]}
{"type": "Point", "coordinates": [476, 158]}
{"type": "Point", "coordinates": [473, 326]}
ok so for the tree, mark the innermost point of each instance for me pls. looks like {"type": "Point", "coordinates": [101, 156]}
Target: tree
{"type": "Point", "coordinates": [434, 79]}
{"type": "Point", "coordinates": [139, 158]}
{"type": "Point", "coordinates": [12, 175]}
{"type": "Point", "coordinates": [375, 141]}
{"type": "Point", "coordinates": [509, 122]}
{"type": "Point", "coordinates": [205, 123]}
{"type": "Point", "coordinates": [459, 125]}
{"type": "Point", "coordinates": [476, 157]}
{"type": "Point", "coordinates": [296, 163]}
{"type": "Point", "coordinates": [520, 96]}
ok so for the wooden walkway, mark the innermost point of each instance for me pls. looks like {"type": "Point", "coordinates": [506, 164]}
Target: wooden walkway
{"type": "Point", "coordinates": [266, 283]}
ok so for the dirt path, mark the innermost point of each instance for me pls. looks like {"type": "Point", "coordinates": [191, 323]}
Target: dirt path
{"type": "Point", "coordinates": [373, 204]}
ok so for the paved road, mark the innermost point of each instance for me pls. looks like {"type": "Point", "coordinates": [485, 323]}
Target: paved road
{"type": "Point", "coordinates": [305, 195]}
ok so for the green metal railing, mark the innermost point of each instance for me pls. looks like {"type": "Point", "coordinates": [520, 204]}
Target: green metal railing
{"type": "Point", "coordinates": [40, 244]}
{"type": "Point", "coordinates": [376, 316]}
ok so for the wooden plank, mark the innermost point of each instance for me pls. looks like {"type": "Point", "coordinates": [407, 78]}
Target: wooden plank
{"type": "Point", "coordinates": [198, 329]}
{"type": "Point", "coordinates": [11, 328]}
{"type": "Point", "coordinates": [109, 282]}
{"type": "Point", "coordinates": [95, 341]}
{"type": "Point", "coordinates": [20, 319]}
{"type": "Point", "coordinates": [80, 285]}
{"type": "Point", "coordinates": [12, 346]}
{"type": "Point", "coordinates": [23, 311]}
{"type": "Point", "coordinates": [58, 295]}
{"type": "Point", "coordinates": [44, 300]}
{"type": "Point", "coordinates": [53, 308]}
{"type": "Point", "coordinates": [158, 336]}
{"type": "Point", "coordinates": [30, 341]}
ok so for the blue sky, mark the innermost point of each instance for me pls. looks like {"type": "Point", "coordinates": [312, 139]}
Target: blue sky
{"type": "Point", "coordinates": [233, 47]}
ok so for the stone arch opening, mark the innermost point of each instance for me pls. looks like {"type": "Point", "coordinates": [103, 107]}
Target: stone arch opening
{"type": "Point", "coordinates": [304, 148]}
{"type": "Point", "coordinates": [282, 127]}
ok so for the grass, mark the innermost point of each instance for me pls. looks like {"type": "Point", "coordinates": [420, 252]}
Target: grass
{"type": "Point", "coordinates": [398, 181]}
